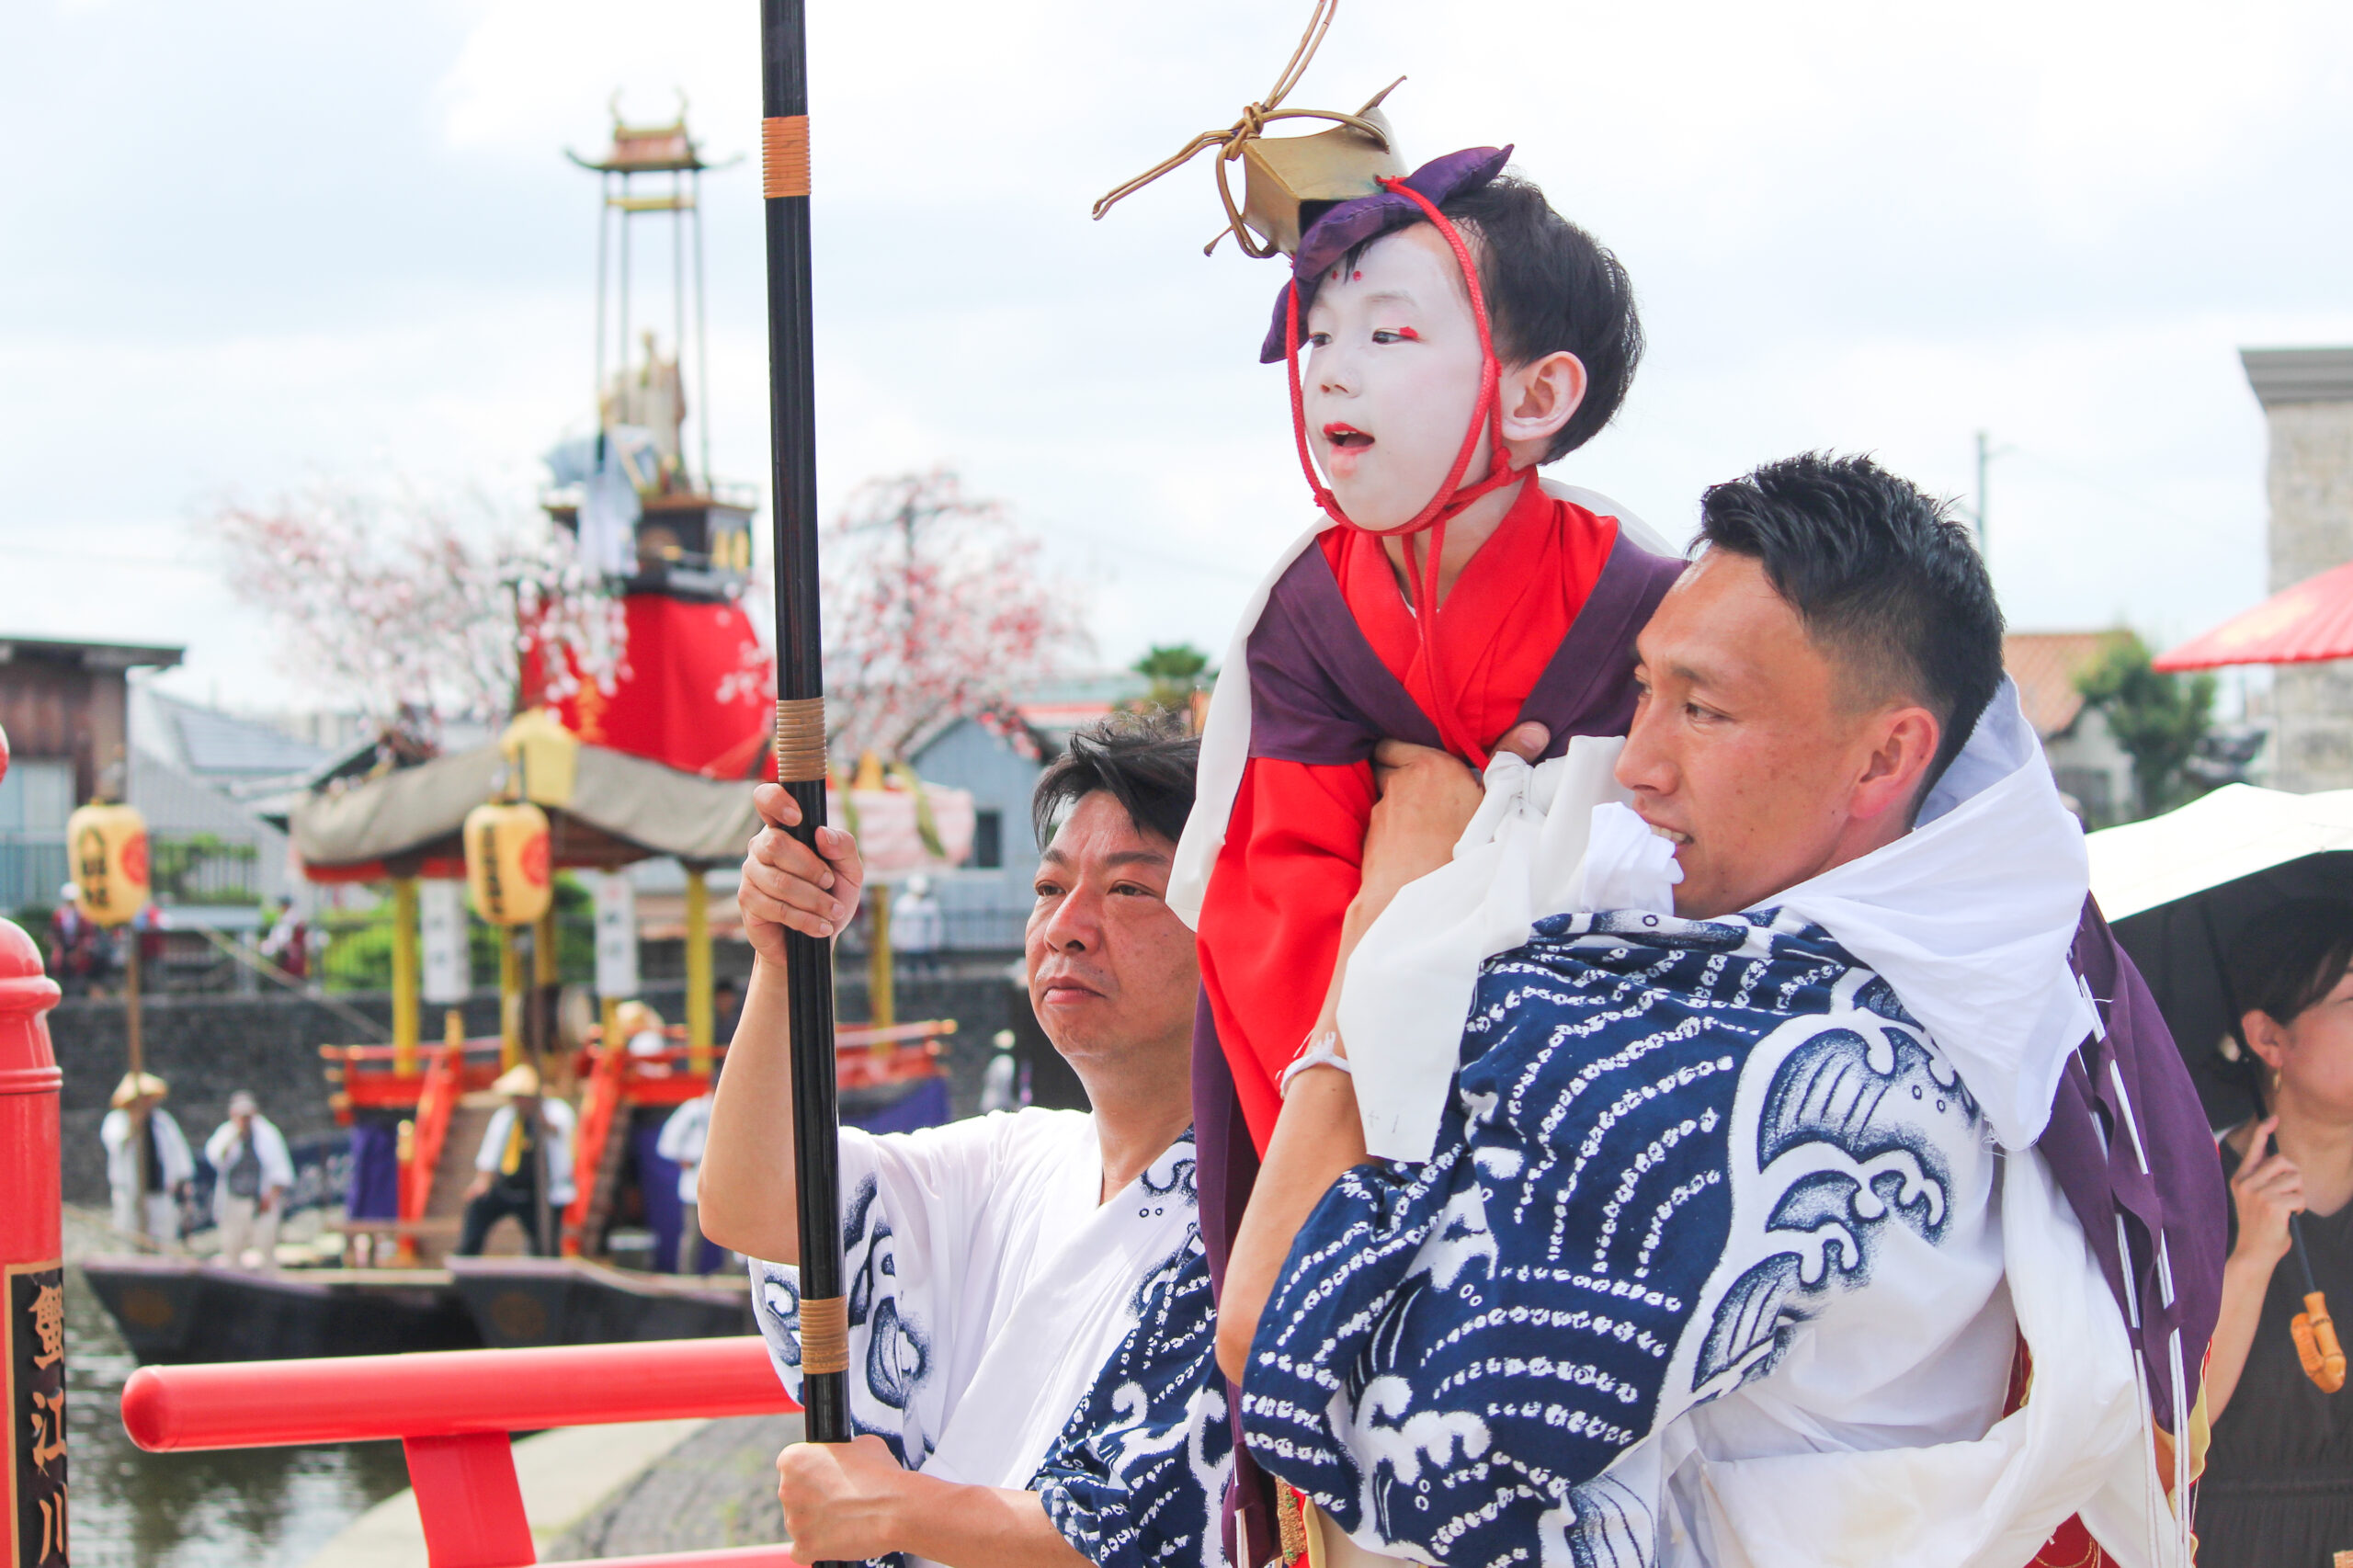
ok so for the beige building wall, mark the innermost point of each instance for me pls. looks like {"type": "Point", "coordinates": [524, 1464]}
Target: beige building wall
{"type": "Point", "coordinates": [2307, 397]}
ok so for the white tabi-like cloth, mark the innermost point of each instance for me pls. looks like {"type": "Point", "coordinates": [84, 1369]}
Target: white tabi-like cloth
{"type": "Point", "coordinates": [1010, 1329]}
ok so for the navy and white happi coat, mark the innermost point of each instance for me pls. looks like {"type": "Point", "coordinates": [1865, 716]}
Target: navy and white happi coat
{"type": "Point", "coordinates": [1701, 1169]}
{"type": "Point", "coordinates": [1007, 1328]}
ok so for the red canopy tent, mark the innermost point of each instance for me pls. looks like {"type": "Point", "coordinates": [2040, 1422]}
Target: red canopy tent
{"type": "Point", "coordinates": [2306, 624]}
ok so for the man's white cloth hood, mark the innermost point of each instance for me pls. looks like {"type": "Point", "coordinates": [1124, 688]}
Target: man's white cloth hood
{"type": "Point", "coordinates": [1970, 917]}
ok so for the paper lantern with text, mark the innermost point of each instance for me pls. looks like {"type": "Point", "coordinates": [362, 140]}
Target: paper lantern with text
{"type": "Point", "coordinates": [106, 850]}
{"type": "Point", "coordinates": [507, 862]}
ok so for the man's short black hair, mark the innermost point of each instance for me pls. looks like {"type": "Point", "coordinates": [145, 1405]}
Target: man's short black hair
{"type": "Point", "coordinates": [1883, 576]}
{"type": "Point", "coordinates": [1145, 763]}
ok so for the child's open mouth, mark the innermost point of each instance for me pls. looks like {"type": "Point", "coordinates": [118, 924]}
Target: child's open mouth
{"type": "Point", "coordinates": [1347, 437]}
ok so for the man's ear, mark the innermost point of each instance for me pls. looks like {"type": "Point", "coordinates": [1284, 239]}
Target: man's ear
{"type": "Point", "coordinates": [1893, 772]}
{"type": "Point", "coordinates": [1541, 396]}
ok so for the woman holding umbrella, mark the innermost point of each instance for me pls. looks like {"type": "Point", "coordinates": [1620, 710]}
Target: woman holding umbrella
{"type": "Point", "coordinates": [2279, 1486]}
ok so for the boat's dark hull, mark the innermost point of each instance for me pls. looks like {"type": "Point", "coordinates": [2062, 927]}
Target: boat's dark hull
{"type": "Point", "coordinates": [522, 1302]}
{"type": "Point", "coordinates": [174, 1308]}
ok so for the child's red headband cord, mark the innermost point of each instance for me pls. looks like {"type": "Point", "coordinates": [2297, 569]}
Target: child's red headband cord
{"type": "Point", "coordinates": [1486, 415]}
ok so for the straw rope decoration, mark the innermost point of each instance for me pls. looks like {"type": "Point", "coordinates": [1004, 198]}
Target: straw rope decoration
{"type": "Point", "coordinates": [1252, 123]}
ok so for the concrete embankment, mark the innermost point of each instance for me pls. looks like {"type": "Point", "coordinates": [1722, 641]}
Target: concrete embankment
{"type": "Point", "coordinates": [613, 1492]}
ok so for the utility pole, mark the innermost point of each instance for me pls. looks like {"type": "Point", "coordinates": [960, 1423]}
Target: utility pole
{"type": "Point", "coordinates": [1984, 455]}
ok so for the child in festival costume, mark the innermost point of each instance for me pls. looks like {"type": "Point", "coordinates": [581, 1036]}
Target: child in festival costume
{"type": "Point", "coordinates": [1457, 333]}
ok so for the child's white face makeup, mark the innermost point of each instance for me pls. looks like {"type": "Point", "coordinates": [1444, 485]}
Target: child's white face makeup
{"type": "Point", "coordinates": [1392, 377]}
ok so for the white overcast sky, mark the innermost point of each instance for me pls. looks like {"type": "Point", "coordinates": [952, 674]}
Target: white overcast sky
{"type": "Point", "coordinates": [250, 243]}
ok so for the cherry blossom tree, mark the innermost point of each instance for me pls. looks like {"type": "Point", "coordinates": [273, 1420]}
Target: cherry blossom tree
{"type": "Point", "coordinates": [937, 606]}
{"type": "Point", "coordinates": [418, 607]}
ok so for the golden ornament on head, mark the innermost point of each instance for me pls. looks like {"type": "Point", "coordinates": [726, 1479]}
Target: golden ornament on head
{"type": "Point", "coordinates": [1289, 182]}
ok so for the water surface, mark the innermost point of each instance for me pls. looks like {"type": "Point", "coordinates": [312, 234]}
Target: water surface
{"type": "Point", "coordinates": [239, 1508]}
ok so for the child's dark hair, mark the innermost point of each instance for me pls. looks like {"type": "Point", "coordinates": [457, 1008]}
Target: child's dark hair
{"type": "Point", "coordinates": [1551, 285]}
{"type": "Point", "coordinates": [1145, 763]}
{"type": "Point", "coordinates": [2284, 962]}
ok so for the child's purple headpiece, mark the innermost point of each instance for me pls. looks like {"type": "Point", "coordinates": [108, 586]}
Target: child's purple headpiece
{"type": "Point", "coordinates": [1351, 223]}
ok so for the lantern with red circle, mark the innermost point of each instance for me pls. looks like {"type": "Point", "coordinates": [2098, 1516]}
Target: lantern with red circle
{"type": "Point", "coordinates": [507, 862]}
{"type": "Point", "coordinates": [106, 849]}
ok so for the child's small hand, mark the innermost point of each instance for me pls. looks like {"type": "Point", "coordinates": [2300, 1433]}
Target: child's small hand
{"type": "Point", "coordinates": [786, 885]}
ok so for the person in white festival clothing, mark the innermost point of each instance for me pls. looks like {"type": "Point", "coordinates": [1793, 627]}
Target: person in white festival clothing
{"type": "Point", "coordinates": [1734, 1205]}
{"type": "Point", "coordinates": [508, 1164]}
{"type": "Point", "coordinates": [138, 1112]}
{"type": "Point", "coordinates": [1032, 1380]}
{"type": "Point", "coordinates": [253, 1175]}
{"type": "Point", "coordinates": [681, 1143]}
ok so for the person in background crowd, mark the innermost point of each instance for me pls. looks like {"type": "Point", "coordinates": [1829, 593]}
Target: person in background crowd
{"type": "Point", "coordinates": [918, 929]}
{"type": "Point", "coordinates": [288, 943]}
{"type": "Point", "coordinates": [147, 928]}
{"type": "Point", "coordinates": [151, 1207]}
{"type": "Point", "coordinates": [506, 1169]}
{"type": "Point", "coordinates": [726, 1008]}
{"type": "Point", "coordinates": [1001, 1080]}
{"type": "Point", "coordinates": [647, 1040]}
{"type": "Point", "coordinates": [73, 942]}
{"type": "Point", "coordinates": [255, 1173]}
{"type": "Point", "coordinates": [681, 1143]}
{"type": "Point", "coordinates": [2279, 1486]}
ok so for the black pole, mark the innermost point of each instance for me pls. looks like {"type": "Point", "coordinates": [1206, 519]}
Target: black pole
{"type": "Point", "coordinates": [800, 710]}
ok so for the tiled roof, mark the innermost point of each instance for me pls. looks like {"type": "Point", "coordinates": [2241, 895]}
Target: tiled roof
{"type": "Point", "coordinates": [216, 743]}
{"type": "Point", "coordinates": [2045, 664]}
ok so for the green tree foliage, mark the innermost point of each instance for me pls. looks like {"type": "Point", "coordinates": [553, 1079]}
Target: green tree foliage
{"type": "Point", "coordinates": [2158, 718]}
{"type": "Point", "coordinates": [1175, 671]}
{"type": "Point", "coordinates": [203, 867]}
{"type": "Point", "coordinates": [359, 946]}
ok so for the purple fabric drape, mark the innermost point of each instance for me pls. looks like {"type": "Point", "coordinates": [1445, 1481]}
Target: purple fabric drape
{"type": "Point", "coordinates": [375, 1172]}
{"type": "Point", "coordinates": [2130, 1088]}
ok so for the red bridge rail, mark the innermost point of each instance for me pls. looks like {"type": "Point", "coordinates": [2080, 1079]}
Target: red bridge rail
{"type": "Point", "coordinates": [452, 1412]}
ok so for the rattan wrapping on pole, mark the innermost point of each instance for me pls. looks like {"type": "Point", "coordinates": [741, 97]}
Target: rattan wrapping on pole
{"type": "Point", "coordinates": [784, 155]}
{"type": "Point", "coordinates": [824, 1334]}
{"type": "Point", "coordinates": [800, 741]}
{"type": "Point", "coordinates": [801, 726]}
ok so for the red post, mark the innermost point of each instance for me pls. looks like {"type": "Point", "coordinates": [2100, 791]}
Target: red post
{"type": "Point", "coordinates": [469, 1500]}
{"type": "Point", "coordinates": [32, 1284]}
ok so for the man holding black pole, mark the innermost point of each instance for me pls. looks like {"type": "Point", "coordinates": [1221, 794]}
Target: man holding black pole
{"type": "Point", "coordinates": [1029, 1337]}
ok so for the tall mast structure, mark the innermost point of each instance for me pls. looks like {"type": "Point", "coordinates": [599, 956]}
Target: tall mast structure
{"type": "Point", "coordinates": [693, 535]}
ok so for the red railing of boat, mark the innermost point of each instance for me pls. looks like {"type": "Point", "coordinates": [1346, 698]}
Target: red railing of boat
{"type": "Point", "coordinates": [443, 1079]}
{"type": "Point", "coordinates": [453, 1411]}
{"type": "Point", "coordinates": [599, 1109]}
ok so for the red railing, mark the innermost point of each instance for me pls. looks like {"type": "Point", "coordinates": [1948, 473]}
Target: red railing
{"type": "Point", "coordinates": [443, 1083]}
{"type": "Point", "coordinates": [452, 1412]}
{"type": "Point", "coordinates": [599, 1109]}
